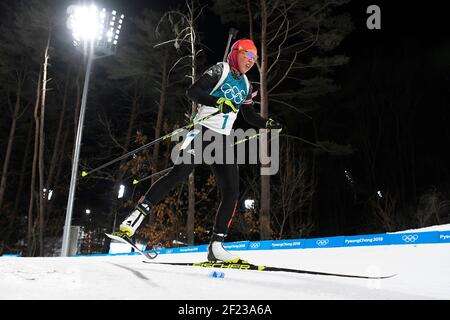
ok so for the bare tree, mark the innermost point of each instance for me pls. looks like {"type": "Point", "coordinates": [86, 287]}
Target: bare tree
{"type": "Point", "coordinates": [432, 206]}
{"type": "Point", "coordinates": [42, 195]}
{"type": "Point", "coordinates": [141, 74]}
{"type": "Point", "coordinates": [14, 72]}
{"type": "Point", "coordinates": [34, 198]}
{"type": "Point", "coordinates": [187, 39]}
{"type": "Point", "coordinates": [15, 116]}
{"type": "Point", "coordinates": [386, 211]}
{"type": "Point", "coordinates": [292, 195]}
{"type": "Point", "coordinates": [35, 22]}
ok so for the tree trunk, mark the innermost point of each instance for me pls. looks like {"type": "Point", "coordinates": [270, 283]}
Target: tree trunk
{"type": "Point", "coordinates": [62, 155]}
{"type": "Point", "coordinates": [250, 19]}
{"type": "Point", "coordinates": [12, 226]}
{"type": "Point", "coordinates": [30, 232]}
{"type": "Point", "coordinates": [159, 120]}
{"type": "Point", "coordinates": [314, 175]}
{"type": "Point", "coordinates": [41, 151]}
{"type": "Point", "coordinates": [56, 144]}
{"type": "Point", "coordinates": [55, 182]}
{"type": "Point", "coordinates": [191, 210]}
{"type": "Point", "coordinates": [23, 170]}
{"type": "Point", "coordinates": [9, 146]}
{"type": "Point", "coordinates": [191, 182]}
{"type": "Point", "coordinates": [264, 214]}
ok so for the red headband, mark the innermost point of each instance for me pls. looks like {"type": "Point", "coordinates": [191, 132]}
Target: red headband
{"type": "Point", "coordinates": [243, 44]}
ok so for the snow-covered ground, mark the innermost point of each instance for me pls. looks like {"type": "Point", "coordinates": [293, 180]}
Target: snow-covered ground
{"type": "Point", "coordinates": [423, 272]}
{"type": "Point", "coordinates": [440, 227]}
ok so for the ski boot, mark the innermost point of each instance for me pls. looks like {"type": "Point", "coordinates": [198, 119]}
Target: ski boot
{"type": "Point", "coordinates": [129, 226]}
{"type": "Point", "coordinates": [216, 251]}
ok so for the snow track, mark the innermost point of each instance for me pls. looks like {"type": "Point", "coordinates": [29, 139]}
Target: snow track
{"type": "Point", "coordinates": [422, 273]}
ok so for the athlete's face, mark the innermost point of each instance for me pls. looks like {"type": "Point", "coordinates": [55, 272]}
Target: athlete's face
{"type": "Point", "coordinates": [246, 60]}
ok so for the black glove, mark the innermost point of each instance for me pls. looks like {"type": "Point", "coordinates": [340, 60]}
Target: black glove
{"type": "Point", "coordinates": [272, 124]}
{"type": "Point", "coordinates": [225, 106]}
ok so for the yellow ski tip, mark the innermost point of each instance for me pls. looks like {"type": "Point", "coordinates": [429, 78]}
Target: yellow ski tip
{"type": "Point", "coordinates": [83, 173]}
{"type": "Point", "coordinates": [135, 181]}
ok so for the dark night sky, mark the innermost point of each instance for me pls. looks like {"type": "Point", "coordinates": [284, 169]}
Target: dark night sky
{"type": "Point", "coordinates": [411, 32]}
{"type": "Point", "coordinates": [424, 21]}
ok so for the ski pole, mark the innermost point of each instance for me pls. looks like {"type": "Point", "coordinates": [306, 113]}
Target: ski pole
{"type": "Point", "coordinates": [251, 137]}
{"type": "Point", "coordinates": [232, 33]}
{"type": "Point", "coordinates": [85, 173]}
{"type": "Point", "coordinates": [135, 181]}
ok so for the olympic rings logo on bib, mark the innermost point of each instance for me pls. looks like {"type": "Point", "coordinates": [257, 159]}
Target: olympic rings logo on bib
{"type": "Point", "coordinates": [233, 93]}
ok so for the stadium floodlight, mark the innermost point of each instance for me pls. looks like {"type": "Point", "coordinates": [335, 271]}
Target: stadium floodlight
{"type": "Point", "coordinates": [92, 31]}
{"type": "Point", "coordinates": [93, 27]}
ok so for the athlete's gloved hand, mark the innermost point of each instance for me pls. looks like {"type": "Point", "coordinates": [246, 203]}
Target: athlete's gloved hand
{"type": "Point", "coordinates": [225, 106]}
{"type": "Point", "coordinates": [272, 124]}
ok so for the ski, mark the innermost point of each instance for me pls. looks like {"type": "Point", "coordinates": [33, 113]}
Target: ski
{"type": "Point", "coordinates": [149, 255]}
{"type": "Point", "coordinates": [249, 266]}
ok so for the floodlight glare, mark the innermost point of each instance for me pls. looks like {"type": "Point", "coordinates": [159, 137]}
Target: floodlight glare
{"type": "Point", "coordinates": [84, 22]}
{"type": "Point", "coordinates": [98, 27]}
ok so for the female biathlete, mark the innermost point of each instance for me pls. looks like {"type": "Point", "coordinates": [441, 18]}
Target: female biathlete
{"type": "Point", "coordinates": [223, 90]}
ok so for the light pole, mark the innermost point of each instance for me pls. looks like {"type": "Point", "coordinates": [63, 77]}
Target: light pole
{"type": "Point", "coordinates": [96, 33]}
